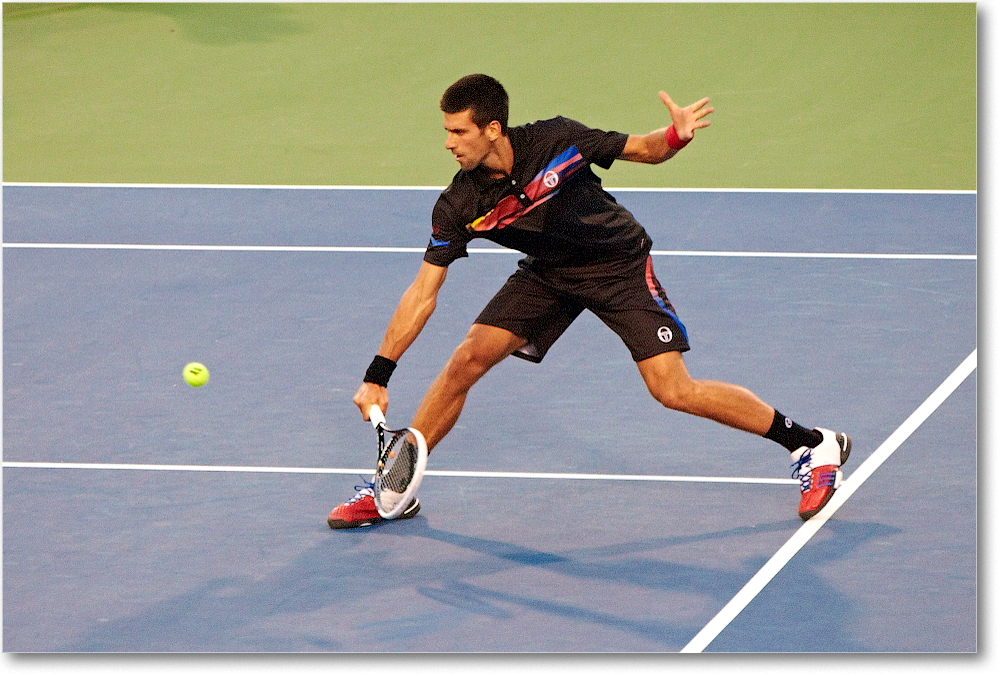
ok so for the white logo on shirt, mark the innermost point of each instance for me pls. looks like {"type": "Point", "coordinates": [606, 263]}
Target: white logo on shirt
{"type": "Point", "coordinates": [550, 179]}
{"type": "Point", "coordinates": [665, 334]}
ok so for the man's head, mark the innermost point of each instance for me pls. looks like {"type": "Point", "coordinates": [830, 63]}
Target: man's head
{"type": "Point", "coordinates": [475, 117]}
{"type": "Point", "coordinates": [483, 95]}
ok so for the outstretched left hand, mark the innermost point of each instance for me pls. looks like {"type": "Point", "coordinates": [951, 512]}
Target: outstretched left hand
{"type": "Point", "coordinates": [689, 118]}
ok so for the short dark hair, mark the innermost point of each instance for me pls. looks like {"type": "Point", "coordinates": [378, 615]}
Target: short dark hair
{"type": "Point", "coordinates": [483, 94]}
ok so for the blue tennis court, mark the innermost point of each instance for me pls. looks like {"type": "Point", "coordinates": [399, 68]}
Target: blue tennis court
{"type": "Point", "coordinates": [567, 511]}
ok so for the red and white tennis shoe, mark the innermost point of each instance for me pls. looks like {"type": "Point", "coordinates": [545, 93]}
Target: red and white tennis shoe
{"type": "Point", "coordinates": [360, 510]}
{"type": "Point", "coordinates": [818, 471]}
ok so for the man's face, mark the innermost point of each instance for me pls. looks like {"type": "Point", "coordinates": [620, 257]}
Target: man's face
{"type": "Point", "coordinates": [467, 142]}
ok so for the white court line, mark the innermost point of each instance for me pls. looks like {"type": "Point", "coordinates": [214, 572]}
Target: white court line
{"type": "Point", "coordinates": [365, 472]}
{"type": "Point", "coordinates": [499, 250]}
{"type": "Point", "coordinates": [223, 186]}
{"type": "Point", "coordinates": [222, 247]}
{"type": "Point", "coordinates": [819, 254]}
{"type": "Point", "coordinates": [752, 588]}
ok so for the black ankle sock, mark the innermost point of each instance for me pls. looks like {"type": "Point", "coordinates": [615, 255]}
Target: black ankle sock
{"type": "Point", "coordinates": [791, 435]}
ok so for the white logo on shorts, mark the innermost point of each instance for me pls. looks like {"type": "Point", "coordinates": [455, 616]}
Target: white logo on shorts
{"type": "Point", "coordinates": [665, 334]}
{"type": "Point", "coordinates": [550, 179]}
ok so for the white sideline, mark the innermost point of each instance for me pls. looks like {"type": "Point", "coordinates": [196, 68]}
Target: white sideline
{"type": "Point", "coordinates": [736, 605]}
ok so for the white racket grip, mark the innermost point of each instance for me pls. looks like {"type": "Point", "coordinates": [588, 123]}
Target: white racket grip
{"type": "Point", "coordinates": [375, 416]}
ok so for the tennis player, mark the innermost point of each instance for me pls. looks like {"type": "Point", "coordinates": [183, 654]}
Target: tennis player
{"type": "Point", "coordinates": [531, 188]}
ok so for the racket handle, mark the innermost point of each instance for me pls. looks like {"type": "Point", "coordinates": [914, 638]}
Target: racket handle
{"type": "Point", "coordinates": [375, 416]}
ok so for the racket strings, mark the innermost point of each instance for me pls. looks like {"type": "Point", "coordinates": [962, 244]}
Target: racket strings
{"type": "Point", "coordinates": [398, 463]}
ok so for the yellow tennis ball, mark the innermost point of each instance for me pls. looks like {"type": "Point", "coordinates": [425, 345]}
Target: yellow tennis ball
{"type": "Point", "coordinates": [195, 374]}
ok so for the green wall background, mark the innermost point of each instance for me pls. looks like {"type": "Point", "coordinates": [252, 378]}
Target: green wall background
{"type": "Point", "coordinates": [840, 96]}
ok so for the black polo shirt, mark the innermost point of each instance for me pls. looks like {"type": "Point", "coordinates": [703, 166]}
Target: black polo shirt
{"type": "Point", "coordinates": [551, 206]}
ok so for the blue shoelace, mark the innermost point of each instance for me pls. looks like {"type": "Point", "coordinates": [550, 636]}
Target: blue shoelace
{"type": "Point", "coordinates": [365, 489]}
{"type": "Point", "coordinates": [802, 470]}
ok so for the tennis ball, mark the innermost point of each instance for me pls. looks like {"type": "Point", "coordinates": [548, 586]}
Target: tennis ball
{"type": "Point", "coordinates": [195, 374]}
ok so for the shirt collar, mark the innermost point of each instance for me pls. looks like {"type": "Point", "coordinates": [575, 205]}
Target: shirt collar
{"type": "Point", "coordinates": [481, 176]}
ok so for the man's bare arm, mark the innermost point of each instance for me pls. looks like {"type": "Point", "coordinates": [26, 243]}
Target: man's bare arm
{"type": "Point", "coordinates": [653, 148]}
{"type": "Point", "coordinates": [415, 307]}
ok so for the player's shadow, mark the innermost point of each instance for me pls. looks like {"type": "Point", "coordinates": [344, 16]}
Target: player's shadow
{"type": "Point", "coordinates": [802, 598]}
{"type": "Point", "coordinates": [321, 601]}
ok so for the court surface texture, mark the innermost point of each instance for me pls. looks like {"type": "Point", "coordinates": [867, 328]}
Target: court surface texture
{"type": "Point", "coordinates": [566, 512]}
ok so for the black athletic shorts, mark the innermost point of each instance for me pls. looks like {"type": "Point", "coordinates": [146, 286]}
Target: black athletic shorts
{"type": "Point", "coordinates": [538, 303]}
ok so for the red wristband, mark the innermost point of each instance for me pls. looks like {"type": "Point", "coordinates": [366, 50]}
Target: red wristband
{"type": "Point", "coordinates": [674, 141]}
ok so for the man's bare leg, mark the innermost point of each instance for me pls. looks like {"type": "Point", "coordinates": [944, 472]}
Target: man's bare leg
{"type": "Point", "coordinates": [668, 381]}
{"type": "Point", "coordinates": [483, 348]}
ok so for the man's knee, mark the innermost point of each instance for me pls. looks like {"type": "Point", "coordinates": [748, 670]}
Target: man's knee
{"type": "Point", "coordinates": [668, 381]}
{"type": "Point", "coordinates": [468, 358]}
{"type": "Point", "coordinates": [483, 348]}
{"type": "Point", "coordinates": [678, 396]}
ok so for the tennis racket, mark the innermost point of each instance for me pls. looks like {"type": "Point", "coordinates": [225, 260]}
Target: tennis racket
{"type": "Point", "coordinates": [402, 458]}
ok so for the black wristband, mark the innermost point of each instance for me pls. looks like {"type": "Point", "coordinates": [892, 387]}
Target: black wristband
{"type": "Point", "coordinates": [380, 370]}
